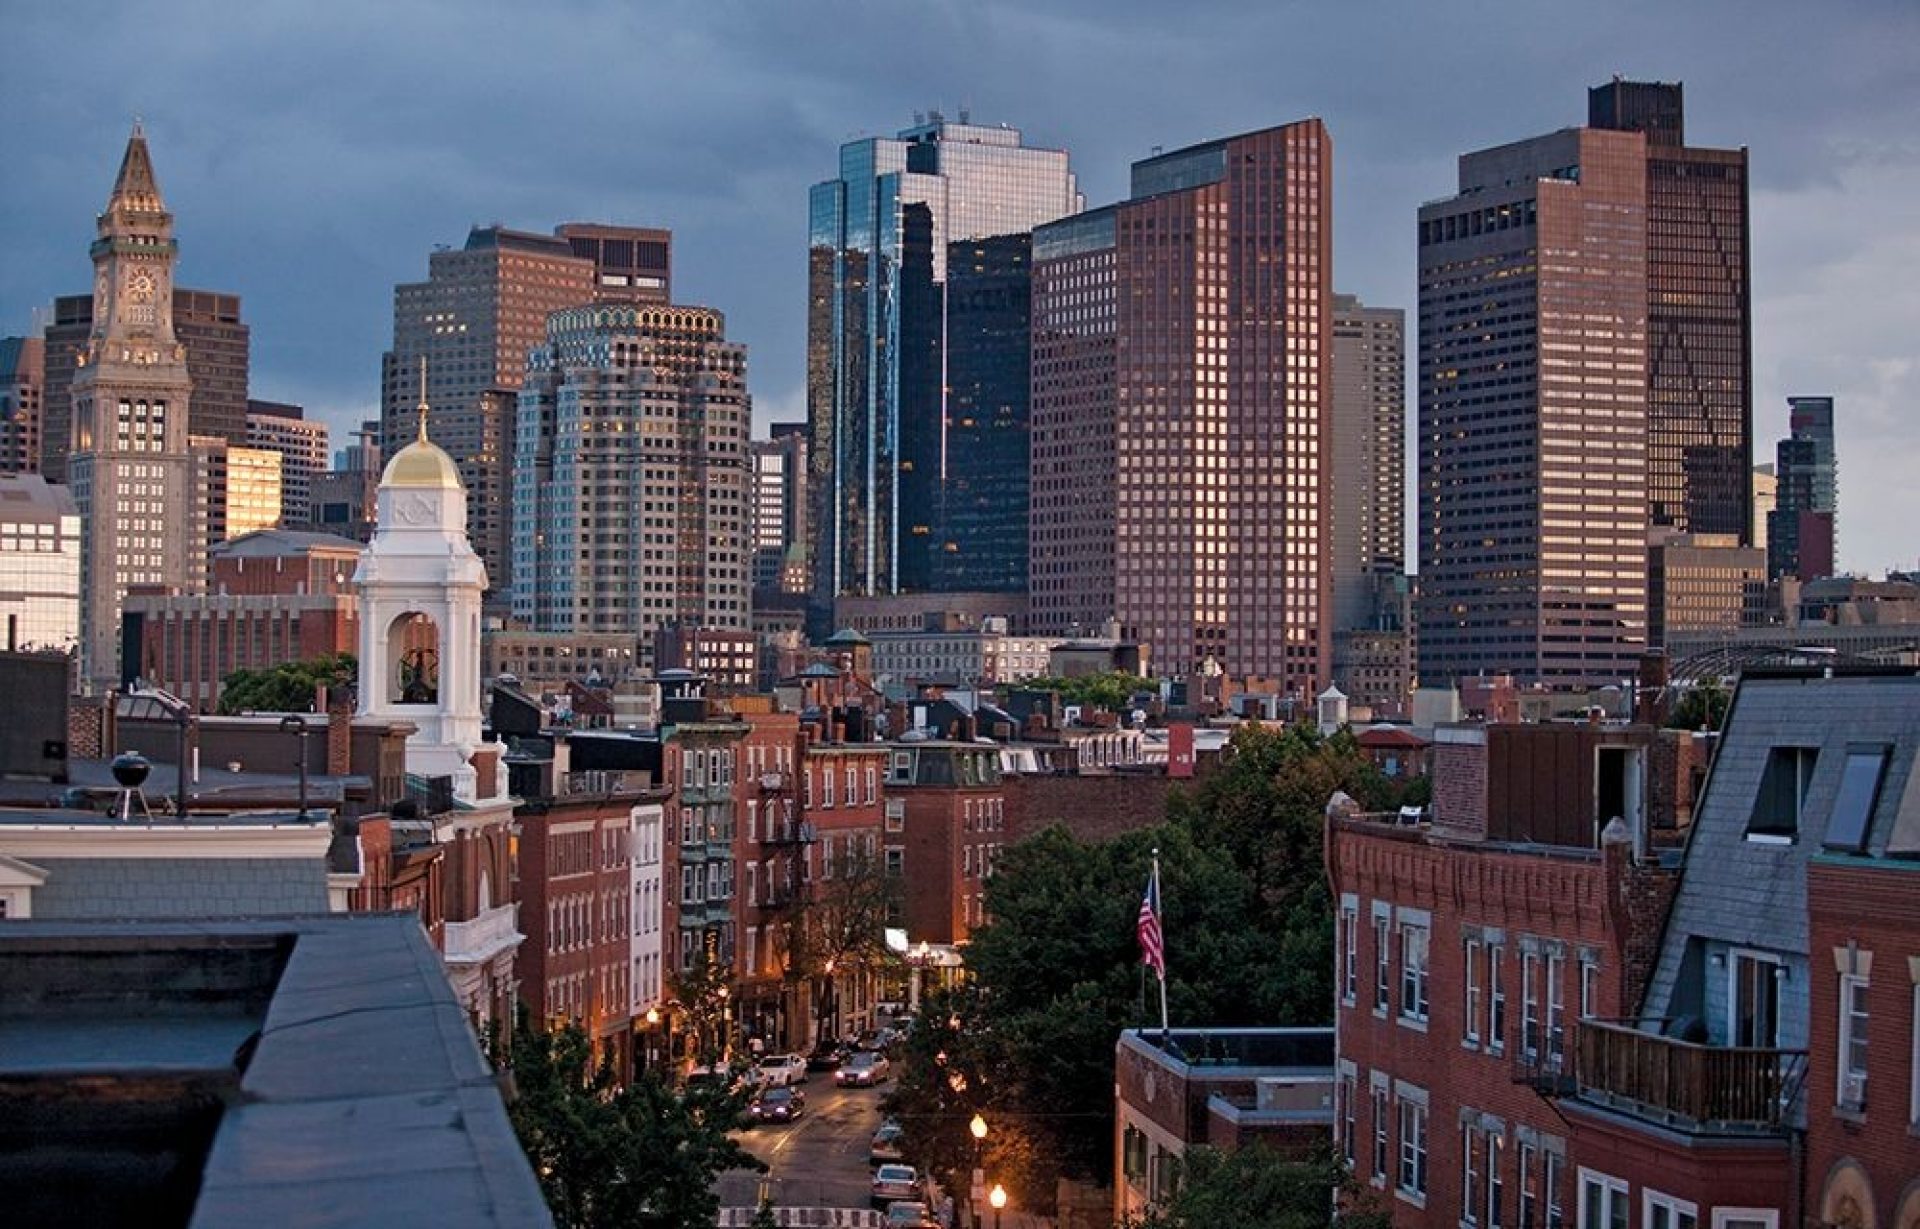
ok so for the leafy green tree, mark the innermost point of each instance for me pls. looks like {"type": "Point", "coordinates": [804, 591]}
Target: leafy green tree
{"type": "Point", "coordinates": [290, 687]}
{"type": "Point", "coordinates": [1701, 707]}
{"type": "Point", "coordinates": [643, 1154]}
{"type": "Point", "coordinates": [1113, 690]}
{"type": "Point", "coordinates": [1258, 1188]}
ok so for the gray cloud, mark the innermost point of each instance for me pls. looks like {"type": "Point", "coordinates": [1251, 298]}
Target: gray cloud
{"type": "Point", "coordinates": [315, 154]}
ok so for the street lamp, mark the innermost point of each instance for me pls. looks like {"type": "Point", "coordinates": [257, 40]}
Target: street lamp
{"type": "Point", "coordinates": [978, 1128]}
{"type": "Point", "coordinates": [297, 725]}
{"type": "Point", "coordinates": [998, 1198]}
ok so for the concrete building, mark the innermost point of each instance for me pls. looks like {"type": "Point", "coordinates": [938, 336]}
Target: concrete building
{"type": "Point", "coordinates": [1802, 529]}
{"type": "Point", "coordinates": [1703, 582]}
{"type": "Point", "coordinates": [341, 500]}
{"type": "Point", "coordinates": [1533, 413]}
{"type": "Point", "coordinates": [216, 343]}
{"type": "Point", "coordinates": [548, 661]}
{"type": "Point", "coordinates": [727, 657]}
{"type": "Point", "coordinates": [1766, 497]}
{"type": "Point", "coordinates": [129, 467]}
{"type": "Point", "coordinates": [1699, 314]}
{"type": "Point", "coordinates": [302, 445]}
{"type": "Point", "coordinates": [23, 375]}
{"type": "Point", "coordinates": [472, 322]}
{"type": "Point", "coordinates": [878, 405]}
{"type": "Point", "coordinates": [972, 657]}
{"type": "Point", "coordinates": [1181, 352]}
{"type": "Point", "coordinates": [1367, 422]}
{"type": "Point", "coordinates": [631, 474]}
{"type": "Point", "coordinates": [236, 491]}
{"type": "Point", "coordinates": [780, 512]}
{"type": "Point", "coordinates": [39, 565]}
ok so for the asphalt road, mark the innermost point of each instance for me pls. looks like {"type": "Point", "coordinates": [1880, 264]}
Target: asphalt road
{"type": "Point", "coordinates": [817, 1162]}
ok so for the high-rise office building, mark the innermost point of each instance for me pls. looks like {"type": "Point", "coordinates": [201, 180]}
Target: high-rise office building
{"type": "Point", "coordinates": [979, 539]}
{"type": "Point", "coordinates": [483, 307]}
{"type": "Point", "coordinates": [216, 341]}
{"type": "Point", "coordinates": [1181, 351]}
{"type": "Point", "coordinates": [39, 565]}
{"type": "Point", "coordinates": [129, 466]}
{"type": "Point", "coordinates": [780, 511]}
{"type": "Point", "coordinates": [23, 374]}
{"type": "Point", "coordinates": [236, 491]}
{"type": "Point", "coordinates": [302, 445]}
{"type": "Point", "coordinates": [343, 499]}
{"type": "Point", "coordinates": [877, 412]}
{"type": "Point", "coordinates": [630, 503]}
{"type": "Point", "coordinates": [1699, 315]}
{"type": "Point", "coordinates": [1803, 529]}
{"type": "Point", "coordinates": [1533, 413]}
{"type": "Point", "coordinates": [1367, 424]}
{"type": "Point", "coordinates": [1766, 496]}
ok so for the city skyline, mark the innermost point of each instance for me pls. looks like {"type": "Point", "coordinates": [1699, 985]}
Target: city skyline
{"type": "Point", "coordinates": [313, 214]}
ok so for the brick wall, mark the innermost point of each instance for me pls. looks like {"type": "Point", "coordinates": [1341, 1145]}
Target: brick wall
{"type": "Point", "coordinates": [1460, 789]}
{"type": "Point", "coordinates": [88, 730]}
{"type": "Point", "coordinates": [1094, 808]}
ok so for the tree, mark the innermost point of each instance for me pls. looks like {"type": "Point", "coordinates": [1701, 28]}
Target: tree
{"type": "Point", "coordinates": [1258, 1188]}
{"type": "Point", "coordinates": [839, 925]}
{"type": "Point", "coordinates": [290, 687]}
{"type": "Point", "coordinates": [1702, 707]}
{"type": "Point", "coordinates": [644, 1154]}
{"type": "Point", "coordinates": [1113, 690]}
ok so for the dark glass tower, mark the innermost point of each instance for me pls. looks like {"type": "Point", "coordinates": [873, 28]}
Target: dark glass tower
{"type": "Point", "coordinates": [981, 534]}
{"type": "Point", "coordinates": [1802, 537]}
{"type": "Point", "coordinates": [1699, 315]}
{"type": "Point", "coordinates": [877, 336]}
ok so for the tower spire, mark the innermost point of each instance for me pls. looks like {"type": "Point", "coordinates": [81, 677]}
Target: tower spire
{"type": "Point", "coordinates": [136, 188]}
{"type": "Point", "coordinates": [422, 407]}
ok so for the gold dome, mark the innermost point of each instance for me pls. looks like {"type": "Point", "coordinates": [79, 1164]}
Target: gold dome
{"type": "Point", "coordinates": [422, 464]}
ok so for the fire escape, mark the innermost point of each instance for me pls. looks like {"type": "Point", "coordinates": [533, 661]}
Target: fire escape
{"type": "Point", "coordinates": [784, 836]}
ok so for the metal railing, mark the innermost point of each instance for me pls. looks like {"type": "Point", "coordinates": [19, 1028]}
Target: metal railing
{"type": "Point", "coordinates": [1684, 1083]}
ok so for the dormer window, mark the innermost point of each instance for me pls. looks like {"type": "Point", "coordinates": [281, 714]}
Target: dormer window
{"type": "Point", "coordinates": [1783, 791]}
{"type": "Point", "coordinates": [1859, 790]}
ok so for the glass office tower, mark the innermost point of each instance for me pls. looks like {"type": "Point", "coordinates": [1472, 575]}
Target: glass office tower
{"type": "Point", "coordinates": [876, 334]}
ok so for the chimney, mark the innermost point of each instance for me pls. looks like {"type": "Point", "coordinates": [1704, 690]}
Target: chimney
{"type": "Point", "coordinates": [338, 706]}
{"type": "Point", "coordinates": [1650, 698]}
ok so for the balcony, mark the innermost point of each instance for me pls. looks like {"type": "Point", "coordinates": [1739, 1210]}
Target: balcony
{"type": "Point", "coordinates": [605, 782]}
{"type": "Point", "coordinates": [1683, 1084]}
{"type": "Point", "coordinates": [483, 938]}
{"type": "Point", "coordinates": [776, 782]}
{"type": "Point", "coordinates": [1541, 1060]}
{"type": "Point", "coordinates": [787, 832]}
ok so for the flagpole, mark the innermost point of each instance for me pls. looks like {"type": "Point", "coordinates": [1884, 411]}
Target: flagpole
{"type": "Point", "coordinates": [1160, 903]}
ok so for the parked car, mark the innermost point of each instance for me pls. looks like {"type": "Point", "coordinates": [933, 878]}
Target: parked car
{"type": "Point", "coordinates": [781, 1104]}
{"type": "Point", "coordinates": [780, 1070]}
{"type": "Point", "coordinates": [892, 1183]}
{"type": "Point", "coordinates": [826, 1056]}
{"type": "Point", "coordinates": [909, 1214]}
{"type": "Point", "coordinates": [863, 1070]}
{"type": "Point", "coordinates": [886, 1144]}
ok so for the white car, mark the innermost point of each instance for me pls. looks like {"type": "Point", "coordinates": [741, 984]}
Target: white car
{"type": "Point", "coordinates": [895, 1183]}
{"type": "Point", "coordinates": [780, 1070]}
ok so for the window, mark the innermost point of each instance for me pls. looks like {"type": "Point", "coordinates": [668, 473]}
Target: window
{"type": "Point", "coordinates": [873, 785]}
{"type": "Point", "coordinates": [1382, 960]}
{"type": "Point", "coordinates": [1413, 971]}
{"type": "Point", "coordinates": [1783, 788]}
{"type": "Point", "coordinates": [1556, 1010]}
{"type": "Point", "coordinates": [1471, 1193]}
{"type": "Point", "coordinates": [1381, 1151]}
{"type": "Point", "coordinates": [1529, 1185]}
{"type": "Point", "coordinates": [1470, 973]}
{"type": "Point", "coordinates": [1589, 985]}
{"type": "Point", "coordinates": [1349, 951]}
{"type": "Point", "coordinates": [1913, 1093]}
{"type": "Point", "coordinates": [1348, 1089]}
{"type": "Point", "coordinates": [896, 863]}
{"type": "Point", "coordinates": [1852, 1091]}
{"type": "Point", "coordinates": [1530, 1004]}
{"type": "Point", "coordinates": [1552, 1173]}
{"type": "Point", "coordinates": [826, 786]}
{"type": "Point", "coordinates": [1665, 1212]}
{"type": "Point", "coordinates": [1412, 1178]}
{"type": "Point", "coordinates": [1853, 805]}
{"type": "Point", "coordinates": [1496, 1000]}
{"type": "Point", "coordinates": [1746, 1218]}
{"type": "Point", "coordinates": [1603, 1201]}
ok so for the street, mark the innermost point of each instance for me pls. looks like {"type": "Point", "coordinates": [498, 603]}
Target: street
{"type": "Point", "coordinates": [817, 1162]}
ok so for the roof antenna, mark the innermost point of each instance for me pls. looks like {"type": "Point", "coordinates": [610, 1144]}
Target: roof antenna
{"type": "Point", "coordinates": [423, 399]}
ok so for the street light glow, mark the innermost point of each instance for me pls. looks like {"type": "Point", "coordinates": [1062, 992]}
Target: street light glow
{"type": "Point", "coordinates": [978, 1126]}
{"type": "Point", "coordinates": [997, 1196]}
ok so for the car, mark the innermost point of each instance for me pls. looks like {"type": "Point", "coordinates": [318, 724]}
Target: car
{"type": "Point", "coordinates": [892, 1183]}
{"type": "Point", "coordinates": [863, 1070]}
{"type": "Point", "coordinates": [826, 1056]}
{"type": "Point", "coordinates": [780, 1070]}
{"type": "Point", "coordinates": [886, 1144]}
{"type": "Point", "coordinates": [909, 1214]}
{"type": "Point", "coordinates": [780, 1104]}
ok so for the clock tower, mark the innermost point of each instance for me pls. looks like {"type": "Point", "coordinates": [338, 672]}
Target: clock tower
{"type": "Point", "coordinates": [129, 464]}
{"type": "Point", "coordinates": [420, 584]}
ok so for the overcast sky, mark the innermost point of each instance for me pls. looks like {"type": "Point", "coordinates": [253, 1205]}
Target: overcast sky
{"type": "Point", "coordinates": [313, 155]}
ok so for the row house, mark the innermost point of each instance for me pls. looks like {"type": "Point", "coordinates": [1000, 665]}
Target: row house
{"type": "Point", "coordinates": [942, 840]}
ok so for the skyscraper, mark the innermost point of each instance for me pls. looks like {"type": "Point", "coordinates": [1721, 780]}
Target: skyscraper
{"type": "Point", "coordinates": [876, 334]}
{"type": "Point", "coordinates": [302, 445]}
{"type": "Point", "coordinates": [1699, 315]}
{"type": "Point", "coordinates": [780, 510]}
{"type": "Point", "coordinates": [1368, 429]}
{"type": "Point", "coordinates": [1181, 347]}
{"type": "Point", "coordinates": [129, 466]}
{"type": "Point", "coordinates": [1802, 529]}
{"type": "Point", "coordinates": [473, 321]}
{"type": "Point", "coordinates": [1533, 412]}
{"type": "Point", "coordinates": [630, 506]}
{"type": "Point", "coordinates": [236, 491]}
{"type": "Point", "coordinates": [22, 403]}
{"type": "Point", "coordinates": [979, 539]}
{"type": "Point", "coordinates": [216, 341]}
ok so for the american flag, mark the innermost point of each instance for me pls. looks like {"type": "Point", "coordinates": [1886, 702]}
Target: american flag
{"type": "Point", "coordinates": [1152, 953]}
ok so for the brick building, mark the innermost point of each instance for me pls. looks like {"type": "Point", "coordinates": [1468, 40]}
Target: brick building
{"type": "Point", "coordinates": [944, 836]}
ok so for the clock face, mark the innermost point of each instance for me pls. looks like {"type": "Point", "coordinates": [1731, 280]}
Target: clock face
{"type": "Point", "coordinates": [140, 285]}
